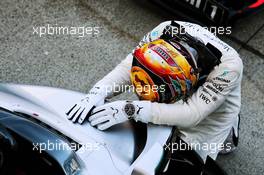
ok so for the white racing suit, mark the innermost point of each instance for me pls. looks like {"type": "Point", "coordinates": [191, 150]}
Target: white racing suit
{"type": "Point", "coordinates": [212, 111]}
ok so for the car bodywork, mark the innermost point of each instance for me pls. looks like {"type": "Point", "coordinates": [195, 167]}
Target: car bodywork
{"type": "Point", "coordinates": [116, 151]}
{"type": "Point", "coordinates": [35, 130]}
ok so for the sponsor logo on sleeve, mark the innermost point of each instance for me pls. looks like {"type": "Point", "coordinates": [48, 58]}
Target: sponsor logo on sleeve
{"type": "Point", "coordinates": [222, 79]}
{"type": "Point", "coordinates": [205, 98]}
{"type": "Point", "coordinates": [225, 73]}
{"type": "Point", "coordinates": [217, 86]}
{"type": "Point", "coordinates": [214, 98]}
{"type": "Point", "coordinates": [206, 91]}
{"type": "Point", "coordinates": [212, 89]}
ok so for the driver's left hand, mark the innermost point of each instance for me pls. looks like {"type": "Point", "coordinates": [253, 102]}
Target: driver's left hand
{"type": "Point", "coordinates": [113, 113]}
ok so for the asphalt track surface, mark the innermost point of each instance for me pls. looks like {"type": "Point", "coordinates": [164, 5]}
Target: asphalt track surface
{"type": "Point", "coordinates": [76, 63]}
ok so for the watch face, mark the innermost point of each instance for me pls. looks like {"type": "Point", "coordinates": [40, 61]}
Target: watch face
{"type": "Point", "coordinates": [129, 109]}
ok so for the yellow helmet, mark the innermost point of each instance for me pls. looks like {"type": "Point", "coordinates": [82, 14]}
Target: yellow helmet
{"type": "Point", "coordinates": [163, 71]}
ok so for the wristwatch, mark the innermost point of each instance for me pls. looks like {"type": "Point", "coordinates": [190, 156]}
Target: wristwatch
{"type": "Point", "coordinates": [130, 109]}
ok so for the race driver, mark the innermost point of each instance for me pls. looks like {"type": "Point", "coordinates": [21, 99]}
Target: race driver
{"type": "Point", "coordinates": [200, 77]}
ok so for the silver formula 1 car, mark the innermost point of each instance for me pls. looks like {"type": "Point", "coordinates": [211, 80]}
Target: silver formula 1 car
{"type": "Point", "coordinates": [213, 12]}
{"type": "Point", "coordinates": [37, 138]}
